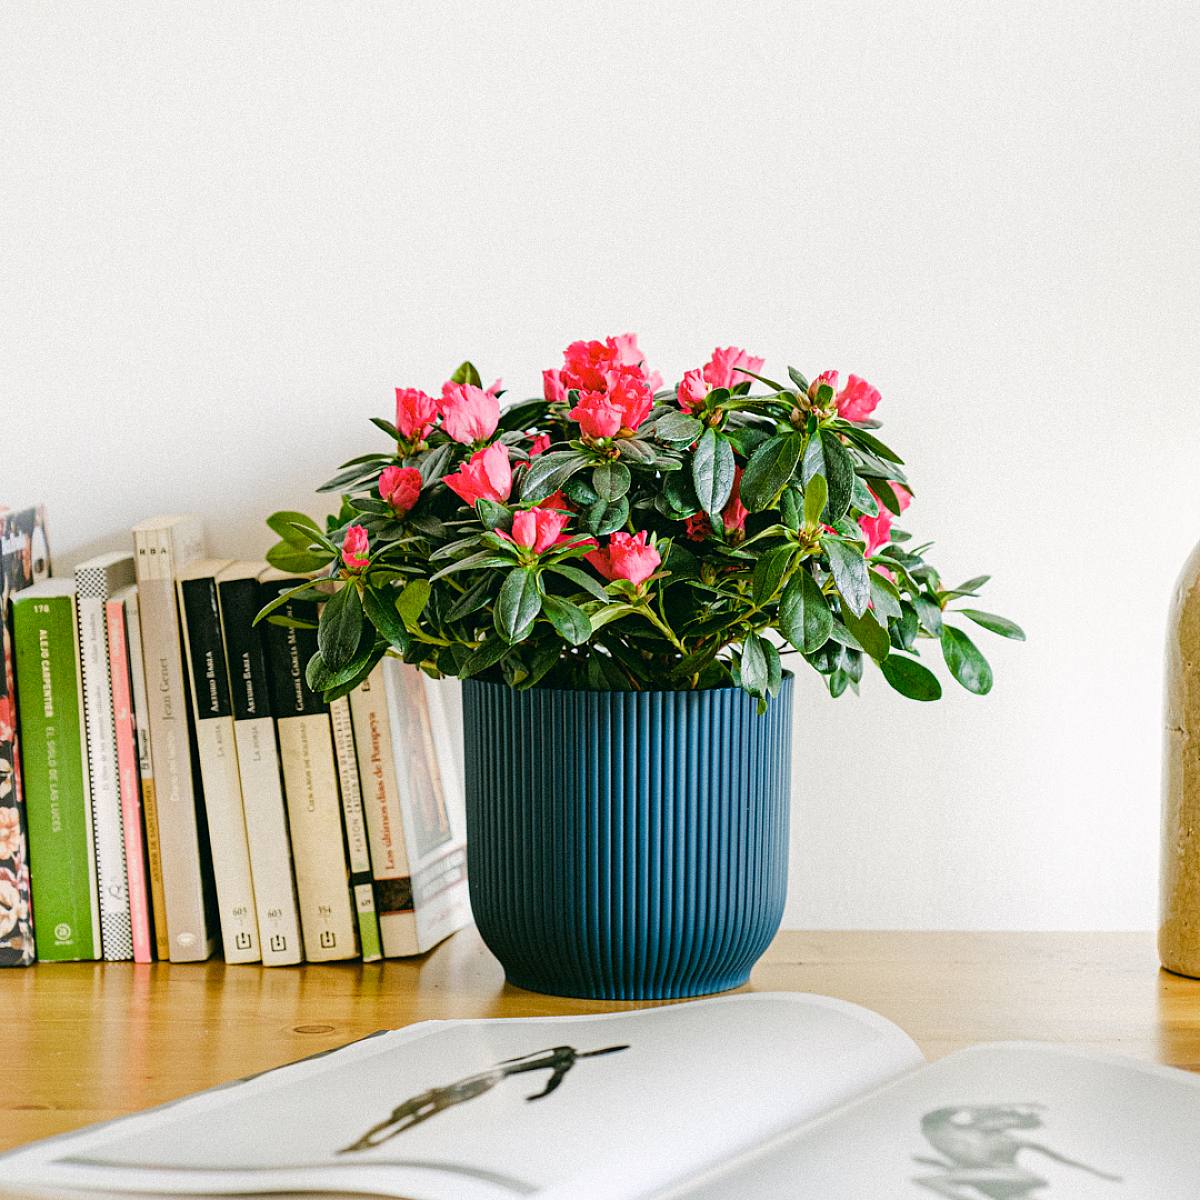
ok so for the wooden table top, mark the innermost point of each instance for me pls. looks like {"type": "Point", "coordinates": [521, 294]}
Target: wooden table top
{"type": "Point", "coordinates": [87, 1042]}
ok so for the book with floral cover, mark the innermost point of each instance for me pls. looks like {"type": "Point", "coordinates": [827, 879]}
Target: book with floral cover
{"type": "Point", "coordinates": [24, 560]}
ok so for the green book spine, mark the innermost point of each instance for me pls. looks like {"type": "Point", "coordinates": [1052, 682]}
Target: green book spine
{"type": "Point", "coordinates": [57, 789]}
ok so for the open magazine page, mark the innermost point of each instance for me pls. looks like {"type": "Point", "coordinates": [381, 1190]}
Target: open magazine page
{"type": "Point", "coordinates": [1015, 1121]}
{"type": "Point", "coordinates": [583, 1107]}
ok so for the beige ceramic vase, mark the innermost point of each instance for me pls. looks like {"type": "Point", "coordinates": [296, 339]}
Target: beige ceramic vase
{"type": "Point", "coordinates": [1179, 929]}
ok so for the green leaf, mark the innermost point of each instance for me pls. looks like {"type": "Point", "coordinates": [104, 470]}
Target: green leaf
{"type": "Point", "coordinates": [295, 528]}
{"type": "Point", "coordinates": [816, 495]}
{"type": "Point", "coordinates": [549, 471]}
{"type": "Point", "coordinates": [488, 653]}
{"type": "Point", "coordinates": [634, 450]}
{"type": "Point", "coordinates": [610, 480]}
{"type": "Point", "coordinates": [518, 604]}
{"type": "Point", "coordinates": [970, 588]}
{"type": "Point", "coordinates": [712, 471]}
{"type": "Point", "coordinates": [769, 469]}
{"type": "Point", "coordinates": [791, 508]}
{"type": "Point", "coordinates": [340, 627]}
{"type": "Point", "coordinates": [290, 558]}
{"type": "Point", "coordinates": [473, 599]}
{"type": "Point", "coordinates": [910, 678]}
{"type": "Point", "coordinates": [965, 662]}
{"type": "Point", "coordinates": [776, 387]}
{"type": "Point", "coordinates": [580, 492]}
{"type": "Point", "coordinates": [827, 456]}
{"type": "Point", "coordinates": [769, 572]}
{"type": "Point", "coordinates": [929, 613]}
{"type": "Point", "coordinates": [883, 489]}
{"type": "Point", "coordinates": [871, 636]}
{"type": "Point", "coordinates": [466, 373]}
{"type": "Point", "coordinates": [861, 437]}
{"type": "Point", "coordinates": [474, 562]}
{"type": "Point", "coordinates": [570, 620]}
{"type": "Point", "coordinates": [755, 666]}
{"type": "Point", "coordinates": [863, 499]}
{"type": "Point", "coordinates": [798, 380]}
{"type": "Point", "coordinates": [410, 604]}
{"type": "Point", "coordinates": [994, 624]}
{"type": "Point", "coordinates": [491, 514]}
{"type": "Point", "coordinates": [605, 517]}
{"type": "Point", "coordinates": [849, 573]}
{"type": "Point", "coordinates": [677, 429]}
{"type": "Point", "coordinates": [903, 631]}
{"type": "Point", "coordinates": [804, 615]}
{"type": "Point", "coordinates": [678, 496]}
{"type": "Point", "coordinates": [884, 597]}
{"type": "Point", "coordinates": [582, 579]}
{"type": "Point", "coordinates": [380, 609]}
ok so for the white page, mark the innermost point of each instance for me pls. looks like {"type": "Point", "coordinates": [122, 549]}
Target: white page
{"type": "Point", "coordinates": [694, 1084]}
{"type": "Point", "coordinates": [1122, 1130]}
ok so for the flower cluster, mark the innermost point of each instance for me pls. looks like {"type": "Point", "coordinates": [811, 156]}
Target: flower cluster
{"type": "Point", "coordinates": [615, 534]}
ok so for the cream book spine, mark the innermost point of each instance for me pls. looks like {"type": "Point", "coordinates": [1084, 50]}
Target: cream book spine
{"type": "Point", "coordinates": [217, 746]}
{"type": "Point", "coordinates": [258, 763]}
{"type": "Point", "coordinates": [310, 781]}
{"type": "Point", "coordinates": [163, 546]}
{"type": "Point", "coordinates": [95, 582]}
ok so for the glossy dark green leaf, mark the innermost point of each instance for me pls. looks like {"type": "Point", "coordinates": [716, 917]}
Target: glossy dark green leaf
{"type": "Point", "coordinates": [610, 480]}
{"type": "Point", "coordinates": [580, 578]}
{"type": "Point", "coordinates": [712, 471]}
{"type": "Point", "coordinates": [884, 598]}
{"type": "Point", "coordinates": [410, 604]}
{"type": "Point", "coordinates": [827, 456]}
{"type": "Point", "coordinates": [340, 627]}
{"type": "Point", "coordinates": [791, 508]}
{"type": "Point", "coordinates": [804, 615]}
{"type": "Point", "coordinates": [995, 624]}
{"type": "Point", "coordinates": [929, 613]}
{"type": "Point", "coordinates": [518, 604]}
{"type": "Point", "coordinates": [870, 634]}
{"type": "Point", "coordinates": [286, 557]}
{"type": "Point", "coordinates": [677, 429]}
{"type": "Point", "coordinates": [816, 495]}
{"type": "Point", "coordinates": [754, 665]}
{"type": "Point", "coordinates": [380, 609]}
{"type": "Point", "coordinates": [965, 662]}
{"type": "Point", "coordinates": [798, 380]}
{"type": "Point", "coordinates": [605, 516]}
{"type": "Point", "coordinates": [863, 499]}
{"type": "Point", "coordinates": [769, 572]}
{"type": "Point", "coordinates": [910, 678]}
{"type": "Point", "coordinates": [549, 471]}
{"type": "Point", "coordinates": [849, 573]}
{"type": "Point", "coordinates": [493, 515]}
{"type": "Point", "coordinates": [295, 528]}
{"type": "Point", "coordinates": [769, 469]}
{"type": "Point", "coordinates": [570, 620]}
{"type": "Point", "coordinates": [903, 631]}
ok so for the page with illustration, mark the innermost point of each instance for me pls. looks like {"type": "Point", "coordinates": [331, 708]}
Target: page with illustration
{"type": "Point", "coordinates": [590, 1107]}
{"type": "Point", "coordinates": [1015, 1121]}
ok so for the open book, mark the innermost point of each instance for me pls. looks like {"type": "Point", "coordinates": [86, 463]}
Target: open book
{"type": "Point", "coordinates": [752, 1097]}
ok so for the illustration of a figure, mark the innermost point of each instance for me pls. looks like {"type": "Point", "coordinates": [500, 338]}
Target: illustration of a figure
{"type": "Point", "coordinates": [979, 1153]}
{"type": "Point", "coordinates": [558, 1060]}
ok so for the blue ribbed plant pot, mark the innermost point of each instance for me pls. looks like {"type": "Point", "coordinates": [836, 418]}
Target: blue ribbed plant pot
{"type": "Point", "coordinates": [627, 845]}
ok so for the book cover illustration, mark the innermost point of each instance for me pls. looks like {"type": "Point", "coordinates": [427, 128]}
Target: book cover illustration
{"type": "Point", "coordinates": [24, 560]}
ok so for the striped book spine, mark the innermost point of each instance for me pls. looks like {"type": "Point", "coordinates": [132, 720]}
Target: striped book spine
{"type": "Point", "coordinates": [95, 582]}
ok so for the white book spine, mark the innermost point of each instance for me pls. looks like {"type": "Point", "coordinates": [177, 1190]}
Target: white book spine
{"type": "Point", "coordinates": [270, 848]}
{"type": "Point", "coordinates": [217, 747]}
{"type": "Point", "coordinates": [384, 820]}
{"type": "Point", "coordinates": [314, 812]}
{"type": "Point", "coordinates": [115, 925]}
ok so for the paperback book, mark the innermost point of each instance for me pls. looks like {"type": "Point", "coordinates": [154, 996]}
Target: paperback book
{"type": "Point", "coordinates": [24, 560]}
{"type": "Point", "coordinates": [58, 798]}
{"type": "Point", "coordinates": [750, 1097]}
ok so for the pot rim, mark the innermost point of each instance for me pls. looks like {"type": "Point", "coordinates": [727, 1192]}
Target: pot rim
{"type": "Point", "coordinates": [786, 681]}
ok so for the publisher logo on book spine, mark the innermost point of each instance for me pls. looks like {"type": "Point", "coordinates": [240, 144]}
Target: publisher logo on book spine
{"type": "Point", "coordinates": [62, 933]}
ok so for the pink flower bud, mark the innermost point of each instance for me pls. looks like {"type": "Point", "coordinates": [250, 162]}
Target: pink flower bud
{"type": "Point", "coordinates": [734, 513]}
{"type": "Point", "coordinates": [597, 415]}
{"type": "Point", "coordinates": [415, 412]}
{"type": "Point", "coordinates": [355, 550]}
{"type": "Point", "coordinates": [693, 390]}
{"type": "Point", "coordinates": [552, 387]}
{"type": "Point", "coordinates": [537, 529]}
{"type": "Point", "coordinates": [469, 414]}
{"type": "Point", "coordinates": [400, 487]}
{"type": "Point", "coordinates": [487, 475]}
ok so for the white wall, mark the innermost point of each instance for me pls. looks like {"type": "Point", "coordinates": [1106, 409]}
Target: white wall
{"type": "Point", "coordinates": [228, 230]}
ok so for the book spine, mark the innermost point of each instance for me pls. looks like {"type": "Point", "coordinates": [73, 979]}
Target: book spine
{"type": "Point", "coordinates": [129, 781]}
{"type": "Point", "coordinates": [174, 791]}
{"type": "Point", "coordinates": [217, 746]}
{"type": "Point", "coordinates": [383, 819]}
{"type": "Point", "coordinates": [356, 834]}
{"type": "Point", "coordinates": [262, 787]}
{"type": "Point", "coordinates": [141, 719]}
{"type": "Point", "coordinates": [116, 929]}
{"type": "Point", "coordinates": [310, 783]}
{"type": "Point", "coordinates": [57, 791]}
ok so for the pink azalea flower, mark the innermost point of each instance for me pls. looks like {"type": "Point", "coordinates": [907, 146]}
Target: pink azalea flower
{"type": "Point", "coordinates": [585, 364]}
{"type": "Point", "coordinates": [400, 487]}
{"type": "Point", "coordinates": [878, 529]}
{"type": "Point", "coordinates": [469, 414]}
{"type": "Point", "coordinates": [856, 401]}
{"type": "Point", "coordinates": [553, 389]}
{"type": "Point", "coordinates": [722, 369]}
{"type": "Point", "coordinates": [734, 513]}
{"type": "Point", "coordinates": [539, 445]}
{"type": "Point", "coordinates": [627, 556]}
{"type": "Point", "coordinates": [415, 412]}
{"type": "Point", "coordinates": [355, 548]}
{"type": "Point", "coordinates": [487, 475]}
{"type": "Point", "coordinates": [693, 390]}
{"type": "Point", "coordinates": [630, 392]}
{"type": "Point", "coordinates": [536, 529]}
{"type": "Point", "coordinates": [597, 415]}
{"type": "Point", "coordinates": [557, 500]}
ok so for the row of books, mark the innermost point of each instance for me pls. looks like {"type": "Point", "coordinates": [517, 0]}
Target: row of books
{"type": "Point", "coordinates": [175, 783]}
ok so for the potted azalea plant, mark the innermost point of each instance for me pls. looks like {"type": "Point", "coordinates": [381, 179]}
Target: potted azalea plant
{"type": "Point", "coordinates": [619, 571]}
